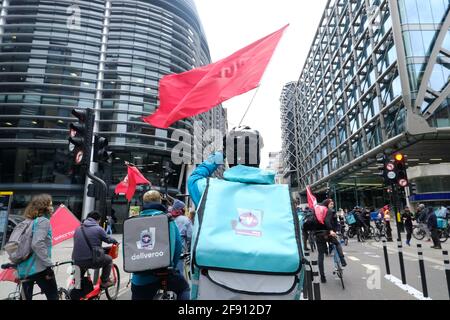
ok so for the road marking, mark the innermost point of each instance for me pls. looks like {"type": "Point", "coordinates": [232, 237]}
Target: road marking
{"type": "Point", "coordinates": [371, 267]}
{"type": "Point", "coordinates": [353, 258]}
{"type": "Point", "coordinates": [122, 291]}
{"type": "Point", "coordinates": [440, 268]}
{"type": "Point", "coordinates": [392, 251]}
{"type": "Point", "coordinates": [375, 256]}
{"type": "Point", "coordinates": [412, 291]}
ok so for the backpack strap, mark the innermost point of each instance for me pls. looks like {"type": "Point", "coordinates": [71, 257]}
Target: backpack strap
{"type": "Point", "coordinates": [86, 238]}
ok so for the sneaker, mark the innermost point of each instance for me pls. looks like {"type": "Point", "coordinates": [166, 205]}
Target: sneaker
{"type": "Point", "coordinates": [107, 284]}
{"type": "Point", "coordinates": [323, 279]}
{"type": "Point", "coordinates": [436, 247]}
{"type": "Point", "coordinates": [408, 244]}
{"type": "Point", "coordinates": [343, 262]}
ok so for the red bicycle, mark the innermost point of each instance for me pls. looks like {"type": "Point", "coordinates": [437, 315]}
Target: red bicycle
{"type": "Point", "coordinates": [89, 291]}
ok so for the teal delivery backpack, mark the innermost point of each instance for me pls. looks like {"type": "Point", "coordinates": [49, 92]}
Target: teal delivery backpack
{"type": "Point", "coordinates": [246, 244]}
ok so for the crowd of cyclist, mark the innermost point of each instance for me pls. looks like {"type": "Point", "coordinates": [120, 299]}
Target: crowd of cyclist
{"type": "Point", "coordinates": [366, 222]}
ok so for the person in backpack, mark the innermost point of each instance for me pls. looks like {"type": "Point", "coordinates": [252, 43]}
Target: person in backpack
{"type": "Point", "coordinates": [184, 225]}
{"type": "Point", "coordinates": [90, 234]}
{"type": "Point", "coordinates": [145, 285]}
{"type": "Point", "coordinates": [433, 227]}
{"type": "Point", "coordinates": [37, 269]}
{"type": "Point", "coordinates": [324, 234]}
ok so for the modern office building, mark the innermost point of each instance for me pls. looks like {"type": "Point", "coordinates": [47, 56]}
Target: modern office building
{"type": "Point", "coordinates": [102, 54]}
{"type": "Point", "coordinates": [376, 81]}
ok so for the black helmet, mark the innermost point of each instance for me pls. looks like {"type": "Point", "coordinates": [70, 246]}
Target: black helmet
{"type": "Point", "coordinates": [242, 145]}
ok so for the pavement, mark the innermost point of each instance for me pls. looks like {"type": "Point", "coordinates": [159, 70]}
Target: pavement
{"type": "Point", "coordinates": [364, 277]}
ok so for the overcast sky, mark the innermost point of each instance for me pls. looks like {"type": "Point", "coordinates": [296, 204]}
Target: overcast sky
{"type": "Point", "coordinates": [232, 24]}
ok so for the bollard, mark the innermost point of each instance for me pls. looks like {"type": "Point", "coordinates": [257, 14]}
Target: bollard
{"type": "Point", "coordinates": [447, 270]}
{"type": "Point", "coordinates": [308, 289]}
{"type": "Point", "coordinates": [316, 281]}
{"type": "Point", "coordinates": [402, 263]}
{"type": "Point", "coordinates": [386, 258]}
{"type": "Point", "coordinates": [422, 271]}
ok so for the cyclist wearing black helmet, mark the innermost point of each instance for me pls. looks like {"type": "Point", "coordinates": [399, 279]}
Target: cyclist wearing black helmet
{"type": "Point", "coordinates": [242, 149]}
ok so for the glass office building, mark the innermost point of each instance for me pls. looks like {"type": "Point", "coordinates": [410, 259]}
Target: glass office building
{"type": "Point", "coordinates": [376, 81]}
{"type": "Point", "coordinates": [102, 54]}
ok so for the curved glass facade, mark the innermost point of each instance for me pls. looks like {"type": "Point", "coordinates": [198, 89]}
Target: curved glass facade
{"type": "Point", "coordinates": [103, 54]}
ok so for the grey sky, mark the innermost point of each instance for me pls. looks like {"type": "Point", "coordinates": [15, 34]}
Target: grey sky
{"type": "Point", "coordinates": [232, 24]}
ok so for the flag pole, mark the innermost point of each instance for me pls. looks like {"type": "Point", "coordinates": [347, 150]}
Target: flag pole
{"type": "Point", "coordinates": [251, 102]}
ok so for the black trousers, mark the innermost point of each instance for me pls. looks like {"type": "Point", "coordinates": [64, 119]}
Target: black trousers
{"type": "Point", "coordinates": [435, 237]}
{"type": "Point", "coordinates": [48, 286]}
{"type": "Point", "coordinates": [105, 264]}
{"type": "Point", "coordinates": [322, 249]}
{"type": "Point", "coordinates": [175, 283]}
{"type": "Point", "coordinates": [388, 231]}
{"type": "Point", "coordinates": [409, 230]}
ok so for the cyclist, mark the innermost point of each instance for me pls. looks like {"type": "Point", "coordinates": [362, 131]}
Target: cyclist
{"type": "Point", "coordinates": [91, 231]}
{"type": "Point", "coordinates": [324, 233]}
{"type": "Point", "coordinates": [433, 227]}
{"type": "Point", "coordinates": [37, 268]}
{"type": "Point", "coordinates": [184, 225]}
{"type": "Point", "coordinates": [145, 285]}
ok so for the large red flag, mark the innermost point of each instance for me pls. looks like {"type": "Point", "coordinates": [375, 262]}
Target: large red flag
{"type": "Point", "coordinates": [63, 224]}
{"type": "Point", "coordinates": [128, 185]}
{"type": "Point", "coordinates": [191, 93]}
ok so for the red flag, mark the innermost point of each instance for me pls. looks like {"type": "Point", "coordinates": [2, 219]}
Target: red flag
{"type": "Point", "coordinates": [191, 93]}
{"type": "Point", "coordinates": [312, 201]}
{"type": "Point", "coordinates": [63, 224]}
{"type": "Point", "coordinates": [128, 185]}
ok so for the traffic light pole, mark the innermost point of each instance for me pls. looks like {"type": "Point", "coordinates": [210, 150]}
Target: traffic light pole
{"type": "Point", "coordinates": [103, 193]}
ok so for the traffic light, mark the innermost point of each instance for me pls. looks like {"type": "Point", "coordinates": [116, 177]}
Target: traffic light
{"type": "Point", "coordinates": [400, 170]}
{"type": "Point", "coordinates": [101, 154]}
{"type": "Point", "coordinates": [413, 188]}
{"type": "Point", "coordinates": [387, 170]}
{"type": "Point", "coordinates": [80, 140]}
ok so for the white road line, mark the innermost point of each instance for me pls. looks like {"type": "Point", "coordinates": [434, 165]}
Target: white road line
{"type": "Point", "coordinates": [353, 258]}
{"type": "Point", "coordinates": [440, 268]}
{"type": "Point", "coordinates": [393, 251]}
{"type": "Point", "coordinates": [123, 291]}
{"type": "Point", "coordinates": [412, 291]}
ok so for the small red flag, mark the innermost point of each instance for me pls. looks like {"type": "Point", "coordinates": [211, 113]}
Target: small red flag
{"type": "Point", "coordinates": [128, 185]}
{"type": "Point", "coordinates": [63, 224]}
{"type": "Point", "coordinates": [193, 92]}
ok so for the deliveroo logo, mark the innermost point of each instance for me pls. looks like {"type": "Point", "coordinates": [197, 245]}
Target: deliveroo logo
{"type": "Point", "coordinates": [147, 239]}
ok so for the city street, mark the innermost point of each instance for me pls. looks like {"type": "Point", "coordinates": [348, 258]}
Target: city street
{"type": "Point", "coordinates": [364, 275]}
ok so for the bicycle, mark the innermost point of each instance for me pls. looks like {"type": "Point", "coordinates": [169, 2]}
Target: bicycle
{"type": "Point", "coordinates": [312, 241]}
{"type": "Point", "coordinates": [164, 293]}
{"type": "Point", "coordinates": [380, 231]}
{"type": "Point", "coordinates": [419, 232]}
{"type": "Point", "coordinates": [10, 275]}
{"type": "Point", "coordinates": [186, 257]}
{"type": "Point", "coordinates": [337, 265]}
{"type": "Point", "coordinates": [95, 291]}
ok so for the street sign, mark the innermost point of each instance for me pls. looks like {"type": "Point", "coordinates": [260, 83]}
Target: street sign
{"type": "Point", "coordinates": [391, 175]}
{"type": "Point", "coordinates": [5, 208]}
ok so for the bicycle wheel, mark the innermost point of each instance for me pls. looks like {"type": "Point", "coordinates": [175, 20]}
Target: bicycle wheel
{"type": "Point", "coordinates": [351, 233]}
{"type": "Point", "coordinates": [63, 294]}
{"type": "Point", "coordinates": [377, 236]}
{"type": "Point", "coordinates": [112, 292]}
{"type": "Point", "coordinates": [346, 241]}
{"type": "Point", "coordinates": [443, 235]}
{"type": "Point", "coordinates": [340, 274]}
{"type": "Point", "coordinates": [418, 233]}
